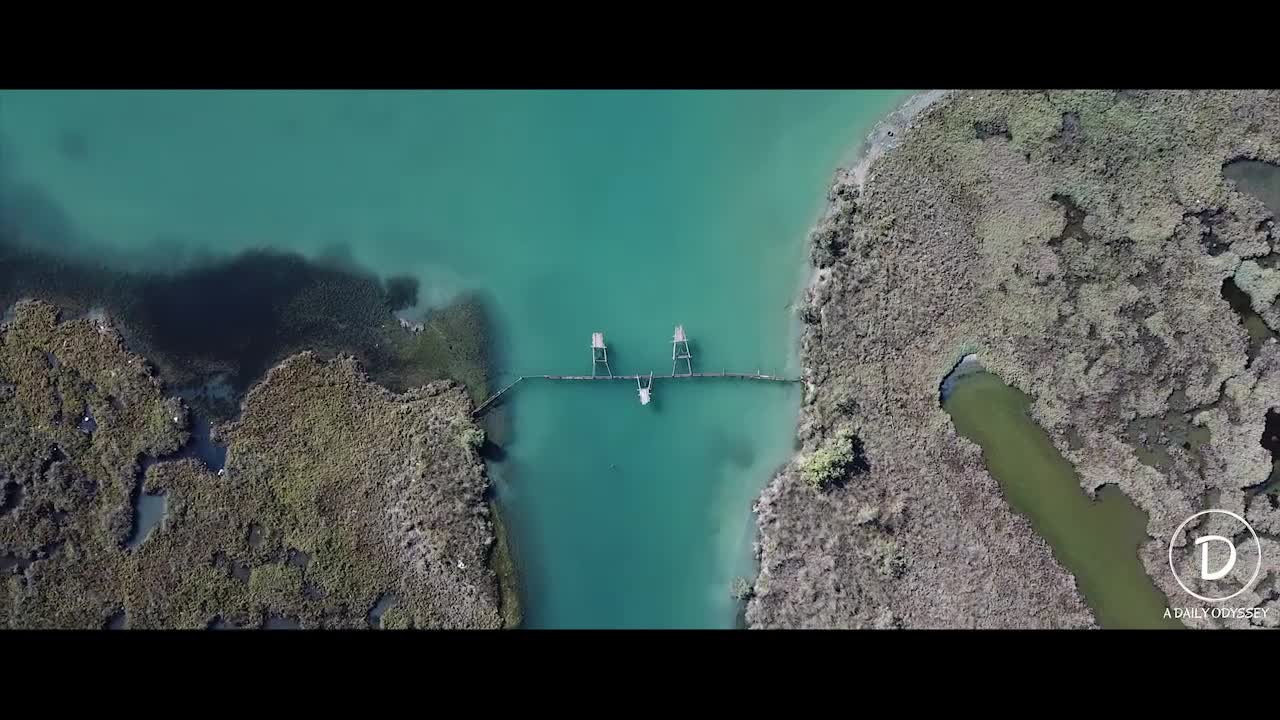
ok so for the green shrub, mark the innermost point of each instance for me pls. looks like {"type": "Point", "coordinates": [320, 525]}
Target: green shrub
{"type": "Point", "coordinates": [887, 556]}
{"type": "Point", "coordinates": [472, 438]}
{"type": "Point", "coordinates": [832, 461]}
{"type": "Point", "coordinates": [867, 514]}
{"type": "Point", "coordinates": [396, 619]}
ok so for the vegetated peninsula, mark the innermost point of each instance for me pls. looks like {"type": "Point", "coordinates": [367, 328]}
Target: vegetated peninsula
{"type": "Point", "coordinates": [1085, 247]}
{"type": "Point", "coordinates": [338, 504]}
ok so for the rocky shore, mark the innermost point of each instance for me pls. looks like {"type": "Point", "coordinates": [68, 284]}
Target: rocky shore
{"type": "Point", "coordinates": [337, 495]}
{"type": "Point", "coordinates": [1077, 244]}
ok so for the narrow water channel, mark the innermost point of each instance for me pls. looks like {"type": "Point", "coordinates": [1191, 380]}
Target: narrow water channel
{"type": "Point", "coordinates": [148, 511]}
{"type": "Point", "coordinates": [1253, 323]}
{"type": "Point", "coordinates": [1261, 180]}
{"type": "Point", "coordinates": [1096, 540]}
{"type": "Point", "coordinates": [1271, 441]}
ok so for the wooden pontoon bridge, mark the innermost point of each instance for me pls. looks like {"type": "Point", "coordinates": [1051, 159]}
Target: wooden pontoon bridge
{"type": "Point", "coordinates": [644, 383]}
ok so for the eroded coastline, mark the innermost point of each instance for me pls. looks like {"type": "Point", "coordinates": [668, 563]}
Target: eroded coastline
{"type": "Point", "coordinates": [1076, 243]}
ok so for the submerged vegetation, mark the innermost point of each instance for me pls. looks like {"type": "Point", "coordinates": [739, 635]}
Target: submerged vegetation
{"type": "Point", "coordinates": [503, 564]}
{"type": "Point", "coordinates": [213, 329]}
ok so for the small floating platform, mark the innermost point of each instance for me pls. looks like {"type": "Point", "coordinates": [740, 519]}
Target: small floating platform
{"type": "Point", "coordinates": [644, 390]}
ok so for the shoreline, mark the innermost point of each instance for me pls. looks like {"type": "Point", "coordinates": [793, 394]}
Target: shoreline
{"type": "Point", "coordinates": [851, 171]}
{"type": "Point", "coordinates": [852, 174]}
{"type": "Point", "coordinates": [972, 239]}
{"type": "Point", "coordinates": [846, 184]}
{"type": "Point", "coordinates": [884, 136]}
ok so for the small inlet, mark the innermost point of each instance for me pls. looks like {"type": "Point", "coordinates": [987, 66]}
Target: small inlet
{"type": "Point", "coordinates": [1096, 540]}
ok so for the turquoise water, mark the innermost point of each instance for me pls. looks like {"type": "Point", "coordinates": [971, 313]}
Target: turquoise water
{"type": "Point", "coordinates": [621, 212]}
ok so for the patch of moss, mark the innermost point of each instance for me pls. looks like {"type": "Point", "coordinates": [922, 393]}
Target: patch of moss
{"type": "Point", "coordinates": [396, 619]}
{"type": "Point", "coordinates": [276, 586]}
{"type": "Point", "coordinates": [1035, 122]}
{"type": "Point", "coordinates": [885, 556]}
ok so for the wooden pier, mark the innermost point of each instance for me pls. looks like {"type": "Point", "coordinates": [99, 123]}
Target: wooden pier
{"type": "Point", "coordinates": [741, 376]}
{"type": "Point", "coordinates": [607, 378]}
{"type": "Point", "coordinates": [600, 354]}
{"type": "Point", "coordinates": [492, 398]}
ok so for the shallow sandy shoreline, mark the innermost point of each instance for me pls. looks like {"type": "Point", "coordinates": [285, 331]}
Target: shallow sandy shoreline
{"type": "Point", "coordinates": [883, 138]}
{"type": "Point", "coordinates": [888, 132]}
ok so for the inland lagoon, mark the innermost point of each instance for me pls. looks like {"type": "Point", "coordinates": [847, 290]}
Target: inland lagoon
{"type": "Point", "coordinates": [1096, 540]}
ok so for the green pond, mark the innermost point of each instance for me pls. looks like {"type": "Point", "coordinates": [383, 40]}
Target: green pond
{"type": "Point", "coordinates": [1259, 179]}
{"type": "Point", "coordinates": [1096, 540]}
{"type": "Point", "coordinates": [574, 212]}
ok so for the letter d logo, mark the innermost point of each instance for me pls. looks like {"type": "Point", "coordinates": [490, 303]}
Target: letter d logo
{"type": "Point", "coordinates": [1204, 558]}
{"type": "Point", "coordinates": [1207, 573]}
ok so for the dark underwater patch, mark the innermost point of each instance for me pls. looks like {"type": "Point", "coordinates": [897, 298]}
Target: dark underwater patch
{"type": "Point", "coordinates": [402, 292]}
{"type": "Point", "coordinates": [229, 320]}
